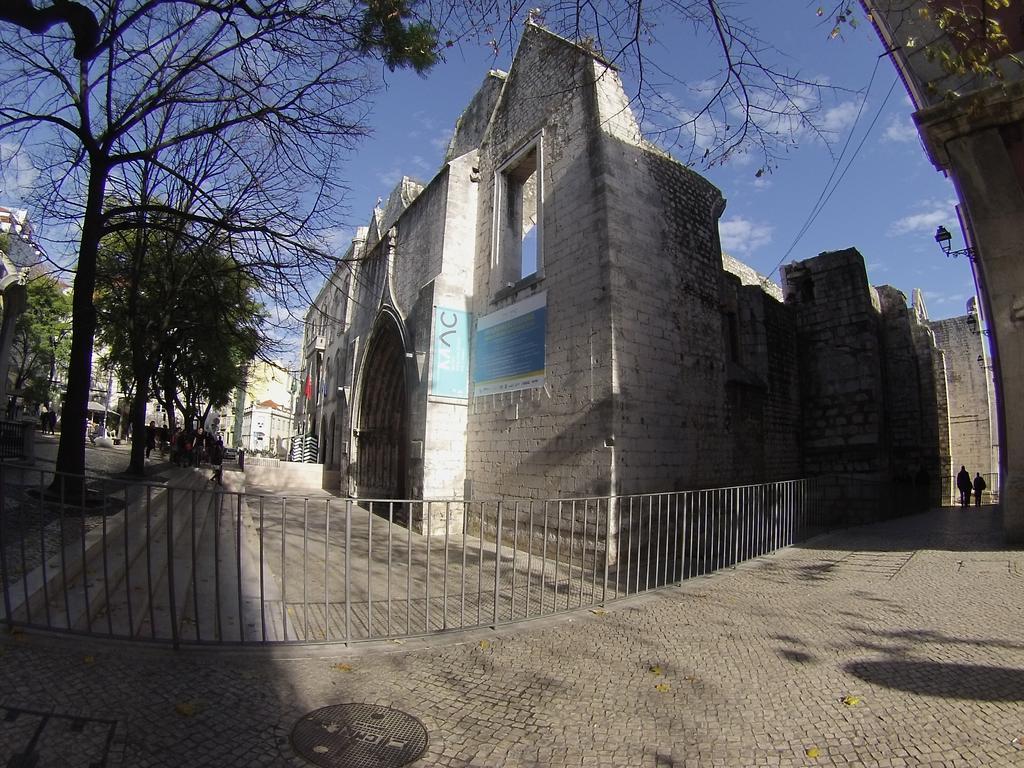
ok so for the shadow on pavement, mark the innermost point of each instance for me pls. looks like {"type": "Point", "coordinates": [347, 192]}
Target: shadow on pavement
{"type": "Point", "coordinates": [947, 680]}
{"type": "Point", "coordinates": [952, 529]}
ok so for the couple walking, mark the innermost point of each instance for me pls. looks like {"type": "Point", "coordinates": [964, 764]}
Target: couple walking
{"type": "Point", "coordinates": [965, 486]}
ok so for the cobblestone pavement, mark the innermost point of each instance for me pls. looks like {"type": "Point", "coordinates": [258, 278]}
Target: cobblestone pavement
{"type": "Point", "coordinates": [33, 529]}
{"type": "Point", "coordinates": [898, 644]}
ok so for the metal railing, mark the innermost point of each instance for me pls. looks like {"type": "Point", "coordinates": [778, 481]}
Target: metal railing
{"type": "Point", "coordinates": [196, 564]}
{"type": "Point", "coordinates": [15, 437]}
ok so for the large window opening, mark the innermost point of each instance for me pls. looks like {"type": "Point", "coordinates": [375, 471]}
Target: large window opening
{"type": "Point", "coordinates": [518, 248]}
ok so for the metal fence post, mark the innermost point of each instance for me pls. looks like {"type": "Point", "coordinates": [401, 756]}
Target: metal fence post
{"type": "Point", "coordinates": [8, 618]}
{"type": "Point", "coordinates": [173, 607]}
{"type": "Point", "coordinates": [348, 571]}
{"type": "Point", "coordinates": [497, 563]}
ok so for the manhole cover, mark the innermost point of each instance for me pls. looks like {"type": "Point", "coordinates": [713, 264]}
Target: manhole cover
{"type": "Point", "coordinates": [359, 736]}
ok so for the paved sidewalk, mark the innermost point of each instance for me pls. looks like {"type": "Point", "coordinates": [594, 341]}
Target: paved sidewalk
{"type": "Point", "coordinates": [899, 644]}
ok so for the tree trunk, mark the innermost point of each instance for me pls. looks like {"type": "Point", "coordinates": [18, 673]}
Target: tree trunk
{"type": "Point", "coordinates": [169, 407]}
{"type": "Point", "coordinates": [137, 464]}
{"type": "Point", "coordinates": [71, 449]}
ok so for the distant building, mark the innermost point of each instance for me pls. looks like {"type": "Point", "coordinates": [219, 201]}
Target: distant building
{"type": "Point", "coordinates": [18, 252]}
{"type": "Point", "coordinates": [266, 426]}
{"type": "Point", "coordinates": [265, 382]}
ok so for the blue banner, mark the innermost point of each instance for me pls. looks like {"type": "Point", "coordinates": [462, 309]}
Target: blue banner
{"type": "Point", "coordinates": [449, 369]}
{"type": "Point", "coordinates": [509, 348]}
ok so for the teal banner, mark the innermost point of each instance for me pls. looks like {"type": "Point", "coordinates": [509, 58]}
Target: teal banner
{"type": "Point", "coordinates": [449, 368]}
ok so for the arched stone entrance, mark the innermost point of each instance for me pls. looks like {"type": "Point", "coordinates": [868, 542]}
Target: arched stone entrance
{"type": "Point", "coordinates": [382, 431]}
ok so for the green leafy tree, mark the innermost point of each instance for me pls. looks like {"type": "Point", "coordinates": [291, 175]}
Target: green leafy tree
{"type": "Point", "coordinates": [176, 315]}
{"type": "Point", "coordinates": [42, 339]}
{"type": "Point", "coordinates": [205, 357]}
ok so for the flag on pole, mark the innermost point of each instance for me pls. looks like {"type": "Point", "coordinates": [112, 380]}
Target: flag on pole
{"type": "Point", "coordinates": [309, 388]}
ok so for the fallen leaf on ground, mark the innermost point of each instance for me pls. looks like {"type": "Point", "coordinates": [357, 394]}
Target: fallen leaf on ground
{"type": "Point", "coordinates": [89, 659]}
{"type": "Point", "coordinates": [662, 687]}
{"type": "Point", "coordinates": [185, 708]}
{"type": "Point", "coordinates": [851, 701]}
{"type": "Point", "coordinates": [813, 752]}
{"type": "Point", "coordinates": [598, 611]}
{"type": "Point", "coordinates": [343, 667]}
{"type": "Point", "coordinates": [485, 644]}
{"type": "Point", "coordinates": [655, 670]}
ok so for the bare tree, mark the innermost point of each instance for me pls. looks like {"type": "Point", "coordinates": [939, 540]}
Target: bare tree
{"type": "Point", "coordinates": [272, 90]}
{"type": "Point", "coordinates": [747, 100]}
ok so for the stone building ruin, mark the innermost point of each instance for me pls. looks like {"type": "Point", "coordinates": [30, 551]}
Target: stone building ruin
{"type": "Point", "coordinates": [552, 316]}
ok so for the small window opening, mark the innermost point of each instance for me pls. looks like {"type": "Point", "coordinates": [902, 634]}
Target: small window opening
{"type": "Point", "coordinates": [518, 252]}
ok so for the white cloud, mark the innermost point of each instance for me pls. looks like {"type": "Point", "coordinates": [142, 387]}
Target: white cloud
{"type": "Point", "coordinates": [701, 128]}
{"type": "Point", "coordinates": [390, 178]}
{"type": "Point", "coordinates": [338, 239]}
{"type": "Point", "coordinates": [741, 236]}
{"type": "Point", "coordinates": [442, 139]}
{"type": "Point", "coordinates": [930, 214]}
{"type": "Point", "coordinates": [900, 129]}
{"type": "Point", "coordinates": [839, 118]}
{"type": "Point", "coordinates": [945, 299]}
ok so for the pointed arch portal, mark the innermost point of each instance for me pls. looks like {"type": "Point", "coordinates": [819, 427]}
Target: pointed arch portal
{"type": "Point", "coordinates": [383, 427]}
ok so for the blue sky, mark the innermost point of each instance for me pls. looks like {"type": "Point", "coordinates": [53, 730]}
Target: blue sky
{"type": "Point", "coordinates": [887, 204]}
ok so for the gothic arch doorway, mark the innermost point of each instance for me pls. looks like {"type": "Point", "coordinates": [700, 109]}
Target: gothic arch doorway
{"type": "Point", "coordinates": [383, 426]}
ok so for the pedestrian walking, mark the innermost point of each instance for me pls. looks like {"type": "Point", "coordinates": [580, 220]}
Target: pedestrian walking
{"type": "Point", "coordinates": [217, 460]}
{"type": "Point", "coordinates": [979, 488]}
{"type": "Point", "coordinates": [964, 485]}
{"type": "Point", "coordinates": [150, 438]}
{"type": "Point", "coordinates": [199, 447]}
{"type": "Point", "coordinates": [188, 445]}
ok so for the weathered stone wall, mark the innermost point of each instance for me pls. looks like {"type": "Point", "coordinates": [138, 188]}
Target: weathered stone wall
{"type": "Point", "coordinates": [444, 440]}
{"type": "Point", "coordinates": [842, 392]}
{"type": "Point", "coordinates": [782, 447]}
{"type": "Point", "coordinates": [912, 424]}
{"type": "Point", "coordinates": [762, 387]}
{"type": "Point", "coordinates": [837, 320]}
{"type": "Point", "coordinates": [548, 442]}
{"type": "Point", "coordinates": [665, 268]}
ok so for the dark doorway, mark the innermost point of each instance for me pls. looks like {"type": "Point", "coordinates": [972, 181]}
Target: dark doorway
{"type": "Point", "coordinates": [382, 432]}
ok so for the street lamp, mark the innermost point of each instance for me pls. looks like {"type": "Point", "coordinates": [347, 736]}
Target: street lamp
{"type": "Point", "coordinates": [972, 326]}
{"type": "Point", "coordinates": [944, 239]}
